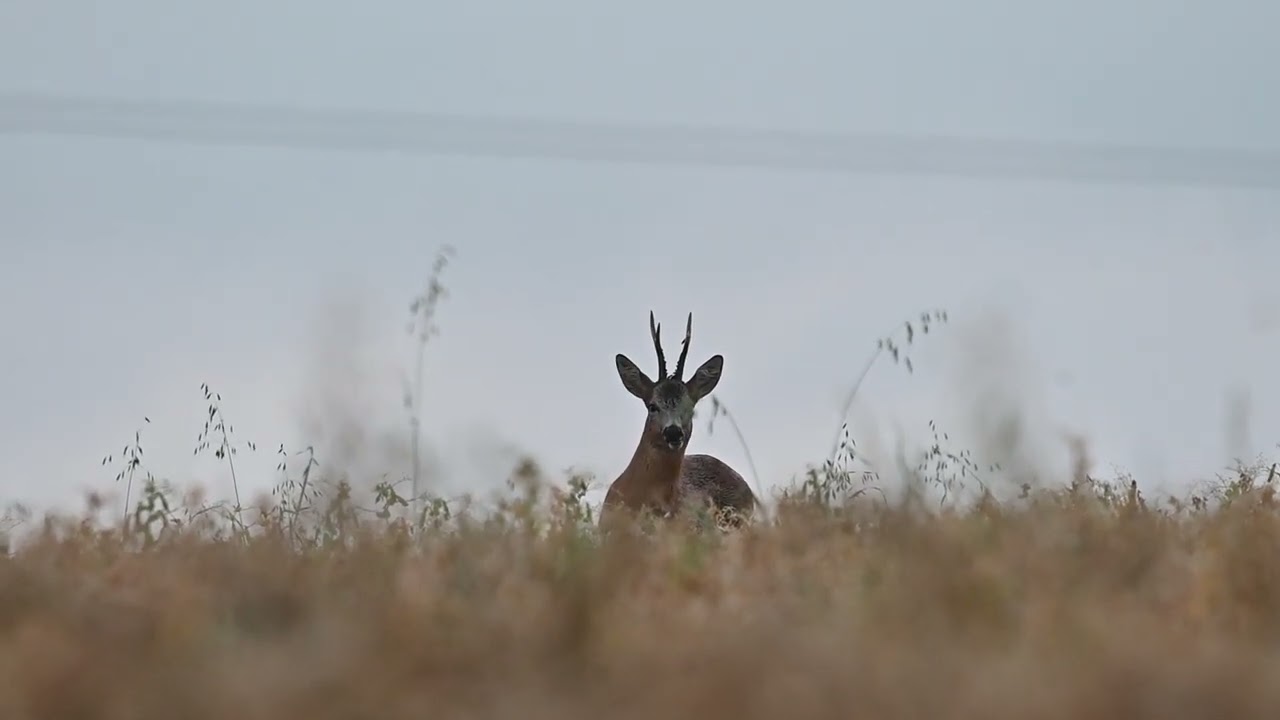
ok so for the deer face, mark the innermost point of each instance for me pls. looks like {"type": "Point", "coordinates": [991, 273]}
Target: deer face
{"type": "Point", "coordinates": [670, 400]}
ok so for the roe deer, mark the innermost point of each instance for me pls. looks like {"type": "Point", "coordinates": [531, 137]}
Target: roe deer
{"type": "Point", "coordinates": [661, 478]}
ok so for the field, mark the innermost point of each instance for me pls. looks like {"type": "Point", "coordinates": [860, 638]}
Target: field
{"type": "Point", "coordinates": [947, 599]}
{"type": "Point", "coordinates": [1086, 601]}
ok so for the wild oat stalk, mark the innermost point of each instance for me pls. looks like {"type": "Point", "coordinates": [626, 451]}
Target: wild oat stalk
{"type": "Point", "coordinates": [216, 424]}
{"type": "Point", "coordinates": [132, 456]}
{"type": "Point", "coordinates": [422, 312]}
{"type": "Point", "coordinates": [719, 409]}
{"type": "Point", "coordinates": [888, 344]}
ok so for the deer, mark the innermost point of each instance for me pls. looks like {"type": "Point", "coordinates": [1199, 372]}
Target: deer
{"type": "Point", "coordinates": [661, 478]}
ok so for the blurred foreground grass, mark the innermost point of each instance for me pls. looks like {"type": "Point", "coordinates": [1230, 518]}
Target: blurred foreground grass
{"type": "Point", "coordinates": [1084, 602]}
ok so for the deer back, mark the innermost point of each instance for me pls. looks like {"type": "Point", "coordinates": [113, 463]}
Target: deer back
{"type": "Point", "coordinates": [708, 478]}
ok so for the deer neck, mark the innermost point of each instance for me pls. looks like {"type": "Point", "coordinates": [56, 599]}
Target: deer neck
{"type": "Point", "coordinates": [653, 472]}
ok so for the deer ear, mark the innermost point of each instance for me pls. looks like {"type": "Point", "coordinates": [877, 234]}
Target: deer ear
{"type": "Point", "coordinates": [706, 378]}
{"type": "Point", "coordinates": [633, 378]}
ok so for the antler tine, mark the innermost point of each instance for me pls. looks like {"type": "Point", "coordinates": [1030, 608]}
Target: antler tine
{"type": "Point", "coordinates": [656, 332]}
{"type": "Point", "coordinates": [684, 347]}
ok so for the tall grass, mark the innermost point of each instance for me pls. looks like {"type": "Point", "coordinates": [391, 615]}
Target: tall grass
{"type": "Point", "coordinates": [1085, 601]}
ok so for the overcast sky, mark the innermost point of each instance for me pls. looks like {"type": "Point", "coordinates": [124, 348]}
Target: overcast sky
{"type": "Point", "coordinates": [135, 271]}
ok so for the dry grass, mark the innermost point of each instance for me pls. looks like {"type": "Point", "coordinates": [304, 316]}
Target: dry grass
{"type": "Point", "coordinates": [1068, 604]}
{"type": "Point", "coordinates": [1085, 602]}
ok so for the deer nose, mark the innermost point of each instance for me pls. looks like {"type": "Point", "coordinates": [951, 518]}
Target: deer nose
{"type": "Point", "coordinates": [673, 434]}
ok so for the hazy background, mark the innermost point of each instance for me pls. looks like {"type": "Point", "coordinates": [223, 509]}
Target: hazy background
{"type": "Point", "coordinates": [134, 271]}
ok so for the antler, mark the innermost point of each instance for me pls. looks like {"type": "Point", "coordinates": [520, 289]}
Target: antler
{"type": "Point", "coordinates": [684, 348]}
{"type": "Point", "coordinates": [655, 331]}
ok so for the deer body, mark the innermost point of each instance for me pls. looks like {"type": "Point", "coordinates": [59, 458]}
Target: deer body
{"type": "Point", "coordinates": [661, 478]}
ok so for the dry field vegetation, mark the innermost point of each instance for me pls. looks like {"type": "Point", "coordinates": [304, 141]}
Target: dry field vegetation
{"type": "Point", "coordinates": [1086, 601]}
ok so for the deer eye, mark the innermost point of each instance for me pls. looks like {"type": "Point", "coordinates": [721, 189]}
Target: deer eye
{"type": "Point", "coordinates": [653, 408]}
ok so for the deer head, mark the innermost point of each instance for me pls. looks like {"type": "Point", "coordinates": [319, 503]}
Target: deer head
{"type": "Point", "coordinates": [670, 399]}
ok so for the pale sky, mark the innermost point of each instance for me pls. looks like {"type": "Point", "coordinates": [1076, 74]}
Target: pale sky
{"type": "Point", "coordinates": [134, 271]}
